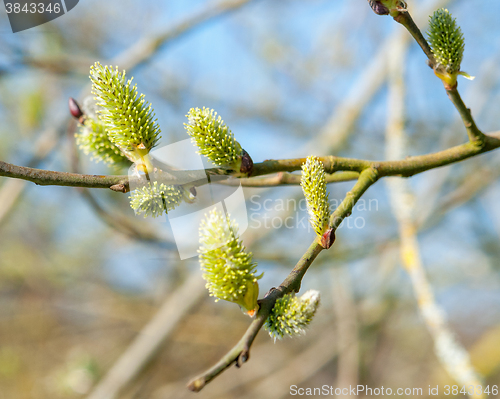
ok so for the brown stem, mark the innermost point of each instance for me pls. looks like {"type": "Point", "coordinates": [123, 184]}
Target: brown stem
{"type": "Point", "coordinates": [50, 178]}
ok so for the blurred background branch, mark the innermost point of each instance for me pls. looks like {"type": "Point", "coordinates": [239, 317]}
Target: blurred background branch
{"type": "Point", "coordinates": [449, 351]}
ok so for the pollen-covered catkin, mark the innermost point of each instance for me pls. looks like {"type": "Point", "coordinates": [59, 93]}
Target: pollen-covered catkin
{"type": "Point", "coordinates": [213, 138]}
{"type": "Point", "coordinates": [227, 267]}
{"type": "Point", "coordinates": [314, 187]}
{"type": "Point", "coordinates": [128, 118]}
{"type": "Point", "coordinates": [291, 315]}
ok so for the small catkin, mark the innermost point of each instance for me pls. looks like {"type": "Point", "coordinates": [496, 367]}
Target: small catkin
{"type": "Point", "coordinates": [314, 187]}
{"type": "Point", "coordinates": [291, 315]}
{"type": "Point", "coordinates": [213, 138]}
{"type": "Point", "coordinates": [446, 40]}
{"type": "Point", "coordinates": [155, 199]}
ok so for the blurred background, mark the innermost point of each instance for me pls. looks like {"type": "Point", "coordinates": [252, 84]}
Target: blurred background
{"type": "Point", "coordinates": [86, 286]}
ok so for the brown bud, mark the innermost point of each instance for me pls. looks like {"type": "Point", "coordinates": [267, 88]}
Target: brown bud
{"type": "Point", "coordinates": [378, 7]}
{"type": "Point", "coordinates": [328, 238]}
{"type": "Point", "coordinates": [246, 163]}
{"type": "Point", "coordinates": [74, 108]}
{"type": "Point", "coordinates": [192, 190]}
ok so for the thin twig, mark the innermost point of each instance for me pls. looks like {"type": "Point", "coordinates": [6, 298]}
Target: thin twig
{"type": "Point", "coordinates": [283, 179]}
{"type": "Point", "coordinates": [475, 135]}
{"type": "Point", "coordinates": [51, 178]}
{"type": "Point", "coordinates": [405, 19]}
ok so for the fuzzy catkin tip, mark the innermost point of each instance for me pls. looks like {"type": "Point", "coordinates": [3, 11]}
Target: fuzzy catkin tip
{"type": "Point", "coordinates": [213, 138]}
{"type": "Point", "coordinates": [155, 199]}
{"type": "Point", "coordinates": [314, 187]}
{"type": "Point", "coordinates": [128, 118]}
{"type": "Point", "coordinates": [291, 315]}
{"type": "Point", "coordinates": [446, 40]}
{"type": "Point", "coordinates": [227, 267]}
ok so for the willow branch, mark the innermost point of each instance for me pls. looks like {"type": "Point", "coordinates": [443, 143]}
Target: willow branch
{"type": "Point", "coordinates": [239, 354]}
{"type": "Point", "coordinates": [51, 178]}
{"type": "Point", "coordinates": [407, 167]}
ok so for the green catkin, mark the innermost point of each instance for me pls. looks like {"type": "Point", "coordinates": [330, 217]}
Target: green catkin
{"type": "Point", "coordinates": [227, 267]}
{"type": "Point", "coordinates": [314, 187]}
{"type": "Point", "coordinates": [93, 140]}
{"type": "Point", "coordinates": [446, 40]}
{"type": "Point", "coordinates": [291, 315]}
{"type": "Point", "coordinates": [156, 199]}
{"type": "Point", "coordinates": [213, 138]}
{"type": "Point", "coordinates": [128, 118]}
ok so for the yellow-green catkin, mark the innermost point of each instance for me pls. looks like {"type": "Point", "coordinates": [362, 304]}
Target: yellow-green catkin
{"type": "Point", "coordinates": [213, 138]}
{"type": "Point", "coordinates": [93, 140]}
{"type": "Point", "coordinates": [314, 187]}
{"type": "Point", "coordinates": [227, 267]}
{"type": "Point", "coordinates": [127, 117]}
{"type": "Point", "coordinates": [156, 199]}
{"type": "Point", "coordinates": [291, 315]}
